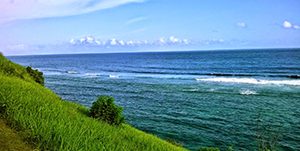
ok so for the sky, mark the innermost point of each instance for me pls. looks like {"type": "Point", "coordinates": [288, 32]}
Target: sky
{"type": "Point", "coordinates": [102, 26]}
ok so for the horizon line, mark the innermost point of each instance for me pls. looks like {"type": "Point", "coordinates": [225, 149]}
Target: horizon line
{"type": "Point", "coordinates": [157, 51]}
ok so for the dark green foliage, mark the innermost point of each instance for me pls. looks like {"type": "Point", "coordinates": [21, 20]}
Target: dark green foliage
{"type": "Point", "coordinates": [2, 109]}
{"type": "Point", "coordinates": [11, 69]}
{"type": "Point", "coordinates": [36, 75]}
{"type": "Point", "coordinates": [104, 109]}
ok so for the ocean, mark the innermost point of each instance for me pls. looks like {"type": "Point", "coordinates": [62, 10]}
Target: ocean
{"type": "Point", "coordinates": [240, 98]}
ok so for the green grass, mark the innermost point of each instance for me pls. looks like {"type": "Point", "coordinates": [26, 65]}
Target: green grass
{"type": "Point", "coordinates": [11, 69]}
{"type": "Point", "coordinates": [50, 123]}
{"type": "Point", "coordinates": [10, 140]}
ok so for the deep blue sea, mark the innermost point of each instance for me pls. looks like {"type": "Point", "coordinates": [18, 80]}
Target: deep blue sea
{"type": "Point", "coordinates": [239, 98]}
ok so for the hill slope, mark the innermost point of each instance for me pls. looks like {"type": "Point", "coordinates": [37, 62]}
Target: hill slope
{"type": "Point", "coordinates": [50, 123]}
{"type": "Point", "coordinates": [10, 140]}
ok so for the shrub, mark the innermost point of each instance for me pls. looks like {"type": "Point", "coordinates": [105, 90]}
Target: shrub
{"type": "Point", "coordinates": [36, 75]}
{"type": "Point", "coordinates": [104, 109]}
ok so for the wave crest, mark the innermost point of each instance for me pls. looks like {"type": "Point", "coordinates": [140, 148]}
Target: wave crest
{"type": "Point", "coordinates": [92, 75]}
{"type": "Point", "coordinates": [113, 76]}
{"type": "Point", "coordinates": [248, 92]}
{"type": "Point", "coordinates": [71, 72]}
{"type": "Point", "coordinates": [251, 81]}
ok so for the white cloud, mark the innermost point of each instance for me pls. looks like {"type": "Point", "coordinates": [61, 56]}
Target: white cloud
{"type": "Point", "coordinates": [296, 27]}
{"type": "Point", "coordinates": [241, 24]}
{"type": "Point", "coordinates": [122, 42]}
{"type": "Point", "coordinates": [186, 41]}
{"type": "Point", "coordinates": [98, 42]}
{"type": "Point", "coordinates": [130, 42]}
{"type": "Point", "coordinates": [86, 39]}
{"type": "Point", "coordinates": [72, 41]}
{"type": "Point", "coordinates": [113, 42]}
{"type": "Point", "coordinates": [30, 9]}
{"type": "Point", "coordinates": [162, 40]}
{"type": "Point", "coordinates": [174, 39]}
{"type": "Point", "coordinates": [92, 41]}
{"type": "Point", "coordinates": [287, 24]}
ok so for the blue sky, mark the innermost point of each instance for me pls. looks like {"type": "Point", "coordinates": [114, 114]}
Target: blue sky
{"type": "Point", "coordinates": [96, 26]}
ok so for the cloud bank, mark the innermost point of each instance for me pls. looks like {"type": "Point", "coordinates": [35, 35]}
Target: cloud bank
{"type": "Point", "coordinates": [31, 9]}
{"type": "Point", "coordinates": [92, 41]}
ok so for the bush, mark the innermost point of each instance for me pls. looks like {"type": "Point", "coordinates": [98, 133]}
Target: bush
{"type": "Point", "coordinates": [36, 75]}
{"type": "Point", "coordinates": [104, 109]}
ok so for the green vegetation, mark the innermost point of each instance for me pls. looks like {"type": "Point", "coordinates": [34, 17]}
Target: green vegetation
{"type": "Point", "coordinates": [11, 69]}
{"type": "Point", "coordinates": [36, 75]}
{"type": "Point", "coordinates": [49, 123]}
{"type": "Point", "coordinates": [104, 109]}
{"type": "Point", "coordinates": [10, 140]}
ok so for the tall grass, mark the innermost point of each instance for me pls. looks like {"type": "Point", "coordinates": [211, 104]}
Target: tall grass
{"type": "Point", "coordinates": [10, 140]}
{"type": "Point", "coordinates": [11, 69]}
{"type": "Point", "coordinates": [53, 124]}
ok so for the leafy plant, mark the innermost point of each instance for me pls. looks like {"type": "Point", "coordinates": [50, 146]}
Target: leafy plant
{"type": "Point", "coordinates": [104, 109]}
{"type": "Point", "coordinates": [36, 75]}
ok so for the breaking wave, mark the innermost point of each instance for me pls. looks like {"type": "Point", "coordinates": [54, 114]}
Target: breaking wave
{"type": "Point", "coordinates": [92, 75]}
{"type": "Point", "coordinates": [250, 81]}
{"type": "Point", "coordinates": [248, 92]}
{"type": "Point", "coordinates": [71, 72]}
{"type": "Point", "coordinates": [113, 76]}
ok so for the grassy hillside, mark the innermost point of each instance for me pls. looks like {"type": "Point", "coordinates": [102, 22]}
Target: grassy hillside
{"type": "Point", "coordinates": [11, 69]}
{"type": "Point", "coordinates": [42, 118]}
{"type": "Point", "coordinates": [10, 140]}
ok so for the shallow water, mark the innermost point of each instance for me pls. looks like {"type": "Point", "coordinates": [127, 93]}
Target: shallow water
{"type": "Point", "coordinates": [210, 98]}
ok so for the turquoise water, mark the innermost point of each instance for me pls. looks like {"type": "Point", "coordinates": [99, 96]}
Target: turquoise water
{"type": "Point", "coordinates": [211, 98]}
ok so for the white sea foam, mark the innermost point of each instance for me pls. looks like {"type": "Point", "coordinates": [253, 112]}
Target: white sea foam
{"type": "Point", "coordinates": [51, 73]}
{"type": "Point", "coordinates": [92, 75]}
{"type": "Point", "coordinates": [192, 90]}
{"type": "Point", "coordinates": [113, 76]}
{"type": "Point", "coordinates": [250, 81]}
{"type": "Point", "coordinates": [72, 72]}
{"type": "Point", "coordinates": [248, 92]}
{"type": "Point", "coordinates": [212, 90]}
